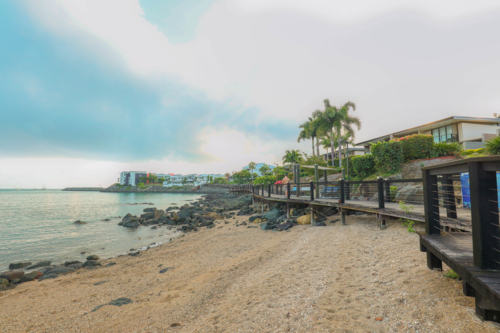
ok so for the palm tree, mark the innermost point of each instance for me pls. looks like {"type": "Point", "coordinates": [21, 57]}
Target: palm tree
{"type": "Point", "coordinates": [335, 122]}
{"type": "Point", "coordinates": [292, 156]}
{"type": "Point", "coordinates": [251, 167]}
{"type": "Point", "coordinates": [263, 169]}
{"type": "Point", "coordinates": [307, 132]}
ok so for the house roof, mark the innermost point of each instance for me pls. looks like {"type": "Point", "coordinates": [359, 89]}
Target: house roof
{"type": "Point", "coordinates": [432, 125]}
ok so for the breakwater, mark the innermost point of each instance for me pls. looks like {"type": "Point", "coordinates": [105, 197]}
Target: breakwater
{"type": "Point", "coordinates": [94, 189]}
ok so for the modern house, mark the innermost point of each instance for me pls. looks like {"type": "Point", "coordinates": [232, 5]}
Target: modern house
{"type": "Point", "coordinates": [258, 166]}
{"type": "Point", "coordinates": [131, 178]}
{"type": "Point", "coordinates": [351, 151]}
{"type": "Point", "coordinates": [471, 132]}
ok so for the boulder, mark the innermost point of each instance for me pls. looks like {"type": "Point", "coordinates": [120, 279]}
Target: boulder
{"type": "Point", "coordinates": [213, 216]}
{"type": "Point", "coordinates": [12, 275]}
{"type": "Point", "coordinates": [257, 220]}
{"type": "Point", "coordinates": [410, 194]}
{"type": "Point", "coordinates": [30, 276]}
{"type": "Point", "coordinates": [61, 269]}
{"type": "Point", "coordinates": [271, 215]}
{"type": "Point", "coordinates": [78, 222]}
{"type": "Point", "coordinates": [329, 211]}
{"type": "Point", "coordinates": [91, 263]}
{"type": "Point", "coordinates": [284, 226]}
{"type": "Point", "coordinates": [175, 217]}
{"type": "Point", "coordinates": [76, 266]}
{"type": "Point", "coordinates": [306, 219]}
{"type": "Point", "coordinates": [149, 210]}
{"type": "Point", "coordinates": [131, 224]}
{"type": "Point", "coordinates": [39, 264]}
{"type": "Point", "coordinates": [71, 262]}
{"type": "Point", "coordinates": [93, 257]}
{"type": "Point", "coordinates": [4, 281]}
{"type": "Point", "coordinates": [267, 226]}
{"type": "Point", "coordinates": [45, 269]}
{"type": "Point", "coordinates": [48, 276]}
{"type": "Point", "coordinates": [185, 213]}
{"type": "Point", "coordinates": [17, 265]}
{"type": "Point", "coordinates": [252, 218]}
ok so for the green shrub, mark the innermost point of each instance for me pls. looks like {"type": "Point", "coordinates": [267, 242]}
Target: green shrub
{"type": "Point", "coordinates": [416, 146]}
{"type": "Point", "coordinates": [141, 184]}
{"type": "Point", "coordinates": [446, 149]}
{"type": "Point", "coordinates": [470, 152]}
{"type": "Point", "coordinates": [393, 192]}
{"type": "Point", "coordinates": [388, 156]}
{"type": "Point", "coordinates": [363, 165]}
{"type": "Point", "coordinates": [265, 180]}
{"type": "Point", "coordinates": [493, 146]}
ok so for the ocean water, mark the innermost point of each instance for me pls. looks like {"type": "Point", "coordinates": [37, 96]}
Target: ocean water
{"type": "Point", "coordinates": [38, 225]}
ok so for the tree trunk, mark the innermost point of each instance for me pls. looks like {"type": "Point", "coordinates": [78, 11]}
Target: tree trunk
{"type": "Point", "coordinates": [312, 139]}
{"type": "Point", "coordinates": [333, 149]}
{"type": "Point", "coordinates": [340, 155]}
{"type": "Point", "coordinates": [317, 146]}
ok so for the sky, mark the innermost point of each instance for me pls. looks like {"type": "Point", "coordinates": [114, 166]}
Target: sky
{"type": "Point", "coordinates": [92, 88]}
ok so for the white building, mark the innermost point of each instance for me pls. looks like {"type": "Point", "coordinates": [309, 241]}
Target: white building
{"type": "Point", "coordinates": [190, 180]}
{"type": "Point", "coordinates": [131, 178]}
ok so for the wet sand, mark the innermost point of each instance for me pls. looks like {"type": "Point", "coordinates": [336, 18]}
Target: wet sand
{"type": "Point", "coordinates": [352, 278]}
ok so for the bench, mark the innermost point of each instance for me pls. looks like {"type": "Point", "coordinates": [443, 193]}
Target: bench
{"type": "Point", "coordinates": [329, 192]}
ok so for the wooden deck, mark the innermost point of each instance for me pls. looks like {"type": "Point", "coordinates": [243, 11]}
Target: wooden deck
{"type": "Point", "coordinates": [455, 250]}
{"type": "Point", "coordinates": [392, 210]}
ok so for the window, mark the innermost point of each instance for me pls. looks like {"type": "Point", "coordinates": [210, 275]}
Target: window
{"type": "Point", "coordinates": [444, 134]}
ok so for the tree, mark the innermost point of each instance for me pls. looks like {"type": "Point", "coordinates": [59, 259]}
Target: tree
{"type": "Point", "coordinates": [251, 167]}
{"type": "Point", "coordinates": [307, 132]}
{"type": "Point", "coordinates": [227, 174]}
{"type": "Point", "coordinates": [292, 156]}
{"type": "Point", "coordinates": [161, 180]}
{"type": "Point", "coordinates": [264, 168]}
{"type": "Point", "coordinates": [336, 121]}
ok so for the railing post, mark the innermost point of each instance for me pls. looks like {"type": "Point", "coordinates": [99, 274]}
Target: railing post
{"type": "Point", "coordinates": [297, 180]}
{"type": "Point", "coordinates": [347, 190]}
{"type": "Point", "coordinates": [484, 216]}
{"type": "Point", "coordinates": [431, 203]}
{"type": "Point", "coordinates": [325, 175]}
{"type": "Point", "coordinates": [316, 179]}
{"type": "Point", "coordinates": [387, 190]}
{"type": "Point", "coordinates": [269, 190]}
{"type": "Point", "coordinates": [380, 189]}
{"type": "Point", "coordinates": [449, 197]}
{"type": "Point", "coordinates": [288, 191]}
{"type": "Point", "coordinates": [342, 191]}
{"type": "Point", "coordinates": [311, 189]}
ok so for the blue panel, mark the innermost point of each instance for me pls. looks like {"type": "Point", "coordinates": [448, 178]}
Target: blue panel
{"type": "Point", "coordinates": [464, 179]}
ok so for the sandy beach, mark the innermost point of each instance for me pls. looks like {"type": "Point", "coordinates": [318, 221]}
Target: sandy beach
{"type": "Point", "coordinates": [352, 278]}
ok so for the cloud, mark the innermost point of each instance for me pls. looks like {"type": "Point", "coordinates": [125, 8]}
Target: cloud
{"type": "Point", "coordinates": [81, 89]}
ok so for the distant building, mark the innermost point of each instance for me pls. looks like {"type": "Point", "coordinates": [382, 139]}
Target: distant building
{"type": "Point", "coordinates": [131, 178]}
{"type": "Point", "coordinates": [351, 151]}
{"type": "Point", "coordinates": [190, 180]}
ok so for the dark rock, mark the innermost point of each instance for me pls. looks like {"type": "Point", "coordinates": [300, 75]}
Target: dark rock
{"type": "Point", "coordinates": [61, 269]}
{"type": "Point", "coordinates": [271, 215]}
{"type": "Point", "coordinates": [76, 266]}
{"type": "Point", "coordinates": [106, 220]}
{"type": "Point", "coordinates": [165, 270]}
{"type": "Point", "coordinates": [149, 210]}
{"type": "Point", "coordinates": [100, 283]}
{"type": "Point", "coordinates": [45, 269]}
{"type": "Point", "coordinates": [15, 281]}
{"type": "Point", "coordinates": [329, 211]}
{"type": "Point", "coordinates": [48, 276]}
{"type": "Point", "coordinates": [78, 222]}
{"type": "Point", "coordinates": [30, 276]}
{"type": "Point", "coordinates": [267, 226]}
{"type": "Point", "coordinates": [284, 226]}
{"type": "Point", "coordinates": [320, 224]}
{"type": "Point", "coordinates": [17, 265]}
{"type": "Point", "coordinates": [4, 281]}
{"type": "Point", "coordinates": [12, 275]}
{"type": "Point", "coordinates": [110, 264]}
{"type": "Point", "coordinates": [252, 218]}
{"type": "Point", "coordinates": [155, 227]}
{"type": "Point", "coordinates": [133, 254]}
{"type": "Point", "coordinates": [39, 264]}
{"type": "Point", "coordinates": [131, 224]}
{"type": "Point", "coordinates": [71, 262]}
{"type": "Point", "coordinates": [116, 302]}
{"type": "Point", "coordinates": [91, 263]}
{"type": "Point", "coordinates": [93, 257]}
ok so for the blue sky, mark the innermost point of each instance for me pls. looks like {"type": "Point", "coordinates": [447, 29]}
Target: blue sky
{"type": "Point", "coordinates": [199, 86]}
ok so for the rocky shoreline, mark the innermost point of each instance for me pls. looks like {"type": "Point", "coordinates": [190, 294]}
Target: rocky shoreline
{"type": "Point", "coordinates": [218, 207]}
{"type": "Point", "coordinates": [160, 189]}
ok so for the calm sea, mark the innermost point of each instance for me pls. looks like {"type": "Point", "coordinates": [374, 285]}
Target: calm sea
{"type": "Point", "coordinates": [38, 225]}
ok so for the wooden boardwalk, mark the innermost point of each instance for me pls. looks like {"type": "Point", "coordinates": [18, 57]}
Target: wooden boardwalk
{"type": "Point", "coordinates": [391, 211]}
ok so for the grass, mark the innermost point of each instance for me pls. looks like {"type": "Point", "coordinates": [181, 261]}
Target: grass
{"type": "Point", "coordinates": [452, 275]}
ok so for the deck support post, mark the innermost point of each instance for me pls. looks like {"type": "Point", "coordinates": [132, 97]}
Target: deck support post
{"type": "Point", "coordinates": [313, 222]}
{"type": "Point", "coordinates": [288, 191]}
{"type": "Point", "coordinates": [468, 290]}
{"type": "Point", "coordinates": [484, 216]}
{"type": "Point", "coordinates": [269, 190]}
{"type": "Point", "coordinates": [431, 201]}
{"type": "Point", "coordinates": [262, 211]}
{"type": "Point", "coordinates": [433, 261]}
{"type": "Point", "coordinates": [387, 190]}
{"type": "Point", "coordinates": [381, 199]}
{"type": "Point", "coordinates": [297, 171]}
{"type": "Point", "coordinates": [449, 197]}
{"type": "Point", "coordinates": [342, 217]}
{"type": "Point", "coordinates": [485, 310]}
{"type": "Point", "coordinates": [311, 190]}
{"type": "Point", "coordinates": [316, 179]}
{"type": "Point", "coordinates": [287, 210]}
